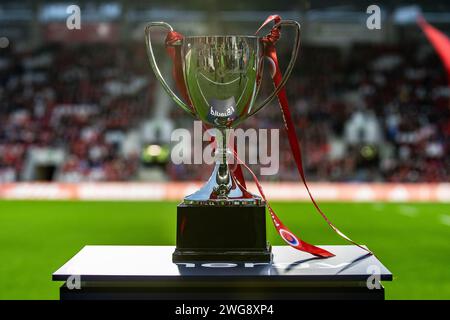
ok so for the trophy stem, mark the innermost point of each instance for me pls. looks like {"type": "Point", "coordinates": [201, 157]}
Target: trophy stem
{"type": "Point", "coordinates": [222, 188]}
{"type": "Point", "coordinates": [223, 173]}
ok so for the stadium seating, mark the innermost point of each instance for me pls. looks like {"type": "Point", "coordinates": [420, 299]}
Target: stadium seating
{"type": "Point", "coordinates": [368, 113]}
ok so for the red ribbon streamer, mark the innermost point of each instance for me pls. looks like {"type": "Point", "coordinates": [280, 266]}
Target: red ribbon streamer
{"type": "Point", "coordinates": [287, 235]}
{"type": "Point", "coordinates": [290, 238]}
{"type": "Point", "coordinates": [270, 53]}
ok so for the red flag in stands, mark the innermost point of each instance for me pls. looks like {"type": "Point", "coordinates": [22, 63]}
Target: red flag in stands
{"type": "Point", "coordinates": [440, 42]}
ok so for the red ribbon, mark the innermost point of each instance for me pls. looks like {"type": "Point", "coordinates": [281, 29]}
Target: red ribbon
{"type": "Point", "coordinates": [289, 237]}
{"type": "Point", "coordinates": [270, 53]}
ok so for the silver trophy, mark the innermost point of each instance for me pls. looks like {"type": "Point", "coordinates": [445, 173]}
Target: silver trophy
{"type": "Point", "coordinates": [222, 76]}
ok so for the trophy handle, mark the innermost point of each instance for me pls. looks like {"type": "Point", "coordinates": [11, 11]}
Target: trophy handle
{"type": "Point", "coordinates": [148, 41]}
{"type": "Point", "coordinates": [287, 73]}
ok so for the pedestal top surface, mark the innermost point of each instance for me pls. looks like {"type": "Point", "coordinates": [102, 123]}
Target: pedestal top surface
{"type": "Point", "coordinates": [130, 263]}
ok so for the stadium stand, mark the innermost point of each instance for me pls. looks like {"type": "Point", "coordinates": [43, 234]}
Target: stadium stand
{"type": "Point", "coordinates": [368, 113]}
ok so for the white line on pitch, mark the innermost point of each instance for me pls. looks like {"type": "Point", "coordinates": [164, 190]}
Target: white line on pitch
{"type": "Point", "coordinates": [408, 211]}
{"type": "Point", "coordinates": [445, 219]}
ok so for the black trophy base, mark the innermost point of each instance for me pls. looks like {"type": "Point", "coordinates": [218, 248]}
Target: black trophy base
{"type": "Point", "coordinates": [222, 233]}
{"type": "Point", "coordinates": [235, 255]}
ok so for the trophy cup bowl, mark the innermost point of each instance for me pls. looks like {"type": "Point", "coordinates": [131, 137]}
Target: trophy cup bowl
{"type": "Point", "coordinates": [222, 76]}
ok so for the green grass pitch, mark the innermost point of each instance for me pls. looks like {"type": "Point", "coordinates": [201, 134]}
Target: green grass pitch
{"type": "Point", "coordinates": [37, 237]}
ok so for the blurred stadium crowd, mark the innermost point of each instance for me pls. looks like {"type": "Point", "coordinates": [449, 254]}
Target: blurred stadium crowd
{"type": "Point", "coordinates": [83, 99]}
{"type": "Point", "coordinates": [367, 113]}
